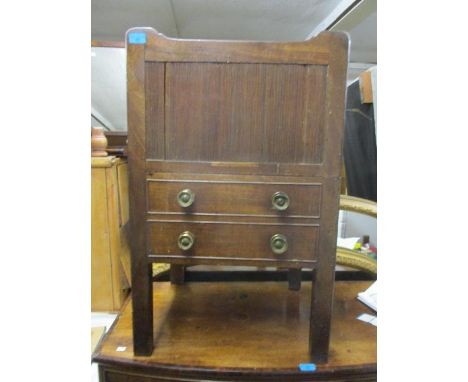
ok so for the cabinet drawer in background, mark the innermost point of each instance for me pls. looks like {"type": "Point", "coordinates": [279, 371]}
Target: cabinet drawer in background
{"type": "Point", "coordinates": [234, 198]}
{"type": "Point", "coordinates": [233, 240]}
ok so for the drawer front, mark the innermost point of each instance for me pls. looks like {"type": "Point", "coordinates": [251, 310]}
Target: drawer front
{"type": "Point", "coordinates": [235, 198]}
{"type": "Point", "coordinates": [233, 240]}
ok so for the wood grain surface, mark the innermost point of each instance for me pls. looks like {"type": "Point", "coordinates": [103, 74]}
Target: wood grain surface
{"type": "Point", "coordinates": [141, 270]}
{"type": "Point", "coordinates": [231, 197]}
{"type": "Point", "coordinates": [244, 331]}
{"type": "Point", "coordinates": [161, 48]}
{"type": "Point", "coordinates": [110, 260]}
{"type": "Point", "coordinates": [244, 112]}
{"type": "Point", "coordinates": [246, 242]}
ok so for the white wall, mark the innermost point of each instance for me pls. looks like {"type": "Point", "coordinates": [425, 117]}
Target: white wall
{"type": "Point", "coordinates": [352, 224]}
{"type": "Point", "coordinates": [108, 87]}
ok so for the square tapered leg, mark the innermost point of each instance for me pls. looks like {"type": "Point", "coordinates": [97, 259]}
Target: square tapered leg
{"type": "Point", "coordinates": [294, 278]}
{"type": "Point", "coordinates": [177, 273]}
{"type": "Point", "coordinates": [142, 300]}
{"type": "Point", "coordinates": [321, 314]}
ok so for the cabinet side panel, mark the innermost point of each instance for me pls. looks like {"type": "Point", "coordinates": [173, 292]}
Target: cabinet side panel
{"type": "Point", "coordinates": [101, 275]}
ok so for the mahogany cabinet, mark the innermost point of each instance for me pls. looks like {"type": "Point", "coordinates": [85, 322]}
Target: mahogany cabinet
{"type": "Point", "coordinates": [235, 152]}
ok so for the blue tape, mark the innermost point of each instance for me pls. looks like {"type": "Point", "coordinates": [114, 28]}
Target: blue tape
{"type": "Point", "coordinates": [307, 367]}
{"type": "Point", "coordinates": [137, 38]}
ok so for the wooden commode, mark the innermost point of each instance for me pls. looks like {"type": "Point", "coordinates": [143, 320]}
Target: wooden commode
{"type": "Point", "coordinates": [234, 153]}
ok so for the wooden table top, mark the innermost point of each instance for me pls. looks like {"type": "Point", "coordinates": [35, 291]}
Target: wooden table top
{"type": "Point", "coordinates": [244, 327]}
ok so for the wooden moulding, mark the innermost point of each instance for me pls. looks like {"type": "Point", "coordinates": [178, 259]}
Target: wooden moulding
{"type": "Point", "coordinates": [356, 260]}
{"type": "Point", "coordinates": [161, 48]}
{"type": "Point", "coordinates": [359, 205]}
{"type": "Point", "coordinates": [107, 44]}
{"type": "Point", "coordinates": [97, 162]}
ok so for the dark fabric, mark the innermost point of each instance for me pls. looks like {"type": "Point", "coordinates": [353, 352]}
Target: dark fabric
{"type": "Point", "coordinates": [360, 148]}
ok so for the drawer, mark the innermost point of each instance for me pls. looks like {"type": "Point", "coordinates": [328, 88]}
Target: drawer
{"type": "Point", "coordinates": [229, 240]}
{"type": "Point", "coordinates": [234, 198]}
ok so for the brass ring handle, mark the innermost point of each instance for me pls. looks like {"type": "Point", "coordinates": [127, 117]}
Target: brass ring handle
{"type": "Point", "coordinates": [279, 244]}
{"type": "Point", "coordinates": [185, 198]}
{"type": "Point", "coordinates": [186, 240]}
{"type": "Point", "coordinates": [280, 201]}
